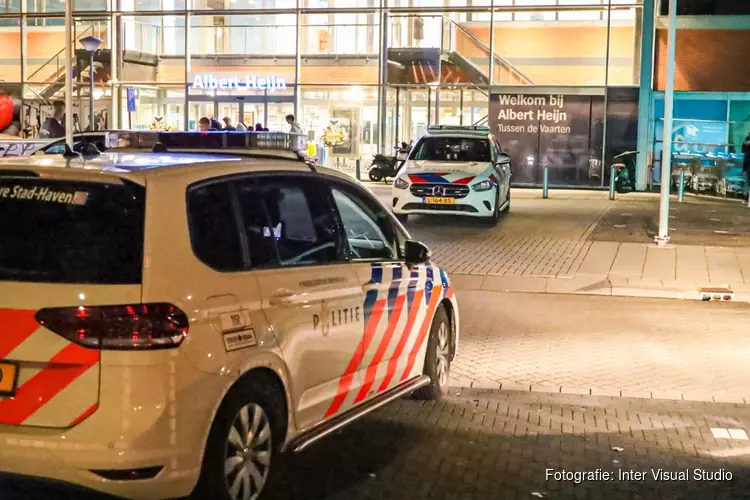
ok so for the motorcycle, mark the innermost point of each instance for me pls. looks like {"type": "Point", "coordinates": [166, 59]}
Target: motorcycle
{"type": "Point", "coordinates": [388, 166]}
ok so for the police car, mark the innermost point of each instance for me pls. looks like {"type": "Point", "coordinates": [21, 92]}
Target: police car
{"type": "Point", "coordinates": [456, 170]}
{"type": "Point", "coordinates": [173, 320]}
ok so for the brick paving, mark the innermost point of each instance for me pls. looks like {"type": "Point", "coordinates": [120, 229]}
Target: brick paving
{"type": "Point", "coordinates": [477, 445]}
{"type": "Point", "coordinates": [604, 345]}
{"type": "Point", "coordinates": [534, 240]}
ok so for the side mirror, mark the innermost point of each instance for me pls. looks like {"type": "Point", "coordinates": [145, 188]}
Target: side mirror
{"type": "Point", "coordinates": [503, 158]}
{"type": "Point", "coordinates": [416, 252]}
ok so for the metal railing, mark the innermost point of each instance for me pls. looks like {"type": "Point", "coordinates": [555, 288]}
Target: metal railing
{"type": "Point", "coordinates": [56, 63]}
{"type": "Point", "coordinates": [459, 35]}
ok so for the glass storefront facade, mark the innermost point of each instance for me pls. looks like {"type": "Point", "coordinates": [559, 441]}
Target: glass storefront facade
{"type": "Point", "coordinates": [384, 70]}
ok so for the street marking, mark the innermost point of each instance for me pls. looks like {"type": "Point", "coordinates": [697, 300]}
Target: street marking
{"type": "Point", "coordinates": [721, 433]}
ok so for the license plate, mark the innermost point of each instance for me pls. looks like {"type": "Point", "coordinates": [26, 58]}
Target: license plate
{"type": "Point", "coordinates": [8, 378]}
{"type": "Point", "coordinates": [439, 200]}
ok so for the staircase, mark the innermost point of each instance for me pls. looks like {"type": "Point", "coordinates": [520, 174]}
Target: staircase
{"type": "Point", "coordinates": [52, 72]}
{"type": "Point", "coordinates": [466, 51]}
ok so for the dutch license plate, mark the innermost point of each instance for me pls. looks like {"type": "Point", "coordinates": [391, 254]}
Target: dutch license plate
{"type": "Point", "coordinates": [439, 200]}
{"type": "Point", "coordinates": [8, 378]}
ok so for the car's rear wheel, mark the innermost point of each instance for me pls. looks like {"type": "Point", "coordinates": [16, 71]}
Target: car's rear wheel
{"type": "Point", "coordinates": [243, 445]}
{"type": "Point", "coordinates": [375, 174]}
{"type": "Point", "coordinates": [437, 362]}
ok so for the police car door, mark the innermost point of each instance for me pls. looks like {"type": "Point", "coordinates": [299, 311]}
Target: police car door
{"type": "Point", "coordinates": [310, 295]}
{"type": "Point", "coordinates": [385, 281]}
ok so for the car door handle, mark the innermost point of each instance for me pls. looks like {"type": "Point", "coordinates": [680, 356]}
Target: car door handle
{"type": "Point", "coordinates": [375, 287]}
{"type": "Point", "coordinates": [283, 297]}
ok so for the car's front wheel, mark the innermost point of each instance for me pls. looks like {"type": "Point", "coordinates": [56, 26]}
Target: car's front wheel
{"type": "Point", "coordinates": [243, 444]}
{"type": "Point", "coordinates": [494, 218]}
{"type": "Point", "coordinates": [437, 361]}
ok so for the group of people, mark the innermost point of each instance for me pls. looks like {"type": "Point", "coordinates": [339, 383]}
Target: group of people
{"type": "Point", "coordinates": [206, 124]}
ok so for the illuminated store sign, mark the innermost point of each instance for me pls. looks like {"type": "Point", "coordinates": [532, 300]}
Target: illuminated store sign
{"type": "Point", "coordinates": [249, 82]}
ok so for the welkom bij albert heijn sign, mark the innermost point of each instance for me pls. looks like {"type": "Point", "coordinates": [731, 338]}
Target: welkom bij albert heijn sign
{"type": "Point", "coordinates": [551, 129]}
{"type": "Point", "coordinates": [208, 81]}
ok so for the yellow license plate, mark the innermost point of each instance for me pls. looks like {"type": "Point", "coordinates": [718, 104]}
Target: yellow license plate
{"type": "Point", "coordinates": [439, 200]}
{"type": "Point", "coordinates": [8, 378]}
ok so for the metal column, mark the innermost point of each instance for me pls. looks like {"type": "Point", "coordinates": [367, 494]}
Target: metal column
{"type": "Point", "coordinates": [645, 93]}
{"type": "Point", "coordinates": [114, 45]}
{"type": "Point", "coordinates": [666, 160]}
{"type": "Point", "coordinates": [606, 86]}
{"type": "Point", "coordinates": [69, 73]}
{"type": "Point", "coordinates": [186, 121]}
{"type": "Point", "coordinates": [383, 82]}
{"type": "Point", "coordinates": [297, 69]}
{"type": "Point", "coordinates": [491, 76]}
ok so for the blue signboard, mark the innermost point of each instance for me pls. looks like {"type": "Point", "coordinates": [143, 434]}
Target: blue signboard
{"type": "Point", "coordinates": [697, 137]}
{"type": "Point", "coordinates": [131, 100]}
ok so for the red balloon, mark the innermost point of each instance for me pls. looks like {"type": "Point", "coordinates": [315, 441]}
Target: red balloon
{"type": "Point", "coordinates": [6, 111]}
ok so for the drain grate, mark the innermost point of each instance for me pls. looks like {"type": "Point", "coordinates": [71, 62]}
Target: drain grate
{"type": "Point", "coordinates": [722, 294]}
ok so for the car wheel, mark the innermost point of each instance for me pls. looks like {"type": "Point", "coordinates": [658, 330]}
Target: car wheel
{"type": "Point", "coordinates": [437, 362]}
{"type": "Point", "coordinates": [493, 219]}
{"type": "Point", "coordinates": [243, 445]}
{"type": "Point", "coordinates": [375, 175]}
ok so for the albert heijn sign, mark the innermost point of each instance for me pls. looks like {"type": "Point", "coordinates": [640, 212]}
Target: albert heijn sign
{"type": "Point", "coordinates": [208, 81]}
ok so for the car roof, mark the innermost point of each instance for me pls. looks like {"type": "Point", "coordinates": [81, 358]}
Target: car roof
{"type": "Point", "coordinates": [139, 166]}
{"type": "Point", "coordinates": [116, 162]}
{"type": "Point", "coordinates": [457, 131]}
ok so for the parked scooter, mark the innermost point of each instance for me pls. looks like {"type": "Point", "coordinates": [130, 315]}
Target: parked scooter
{"type": "Point", "coordinates": [388, 166]}
{"type": "Point", "coordinates": [624, 181]}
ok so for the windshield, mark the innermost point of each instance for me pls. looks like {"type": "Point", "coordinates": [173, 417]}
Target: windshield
{"type": "Point", "coordinates": [71, 232]}
{"type": "Point", "coordinates": [450, 149]}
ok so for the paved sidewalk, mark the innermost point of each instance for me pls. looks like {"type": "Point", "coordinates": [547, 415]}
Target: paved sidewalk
{"type": "Point", "coordinates": [581, 242]}
{"type": "Point", "coordinates": [614, 346]}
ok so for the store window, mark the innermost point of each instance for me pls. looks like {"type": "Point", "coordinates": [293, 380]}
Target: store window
{"type": "Point", "coordinates": [145, 5]}
{"type": "Point", "coordinates": [708, 8]}
{"type": "Point", "coordinates": [340, 33]}
{"type": "Point", "coordinates": [10, 6]}
{"type": "Point", "coordinates": [342, 119]}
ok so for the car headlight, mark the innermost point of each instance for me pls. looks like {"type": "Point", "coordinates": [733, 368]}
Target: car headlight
{"type": "Point", "coordinates": [400, 183]}
{"type": "Point", "coordinates": [482, 186]}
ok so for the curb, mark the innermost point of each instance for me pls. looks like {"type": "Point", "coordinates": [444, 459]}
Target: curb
{"type": "Point", "coordinates": [588, 285]}
{"type": "Point", "coordinates": [670, 395]}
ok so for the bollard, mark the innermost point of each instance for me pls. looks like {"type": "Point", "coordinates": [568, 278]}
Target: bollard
{"type": "Point", "coordinates": [681, 187]}
{"type": "Point", "coordinates": [612, 179]}
{"type": "Point", "coordinates": [356, 169]}
{"type": "Point", "coordinates": [545, 188]}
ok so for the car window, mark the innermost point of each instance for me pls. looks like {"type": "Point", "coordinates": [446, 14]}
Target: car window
{"type": "Point", "coordinates": [65, 231]}
{"type": "Point", "coordinates": [367, 225]}
{"type": "Point", "coordinates": [297, 226]}
{"type": "Point", "coordinates": [438, 148]}
{"type": "Point", "coordinates": [213, 227]}
{"type": "Point", "coordinates": [55, 149]}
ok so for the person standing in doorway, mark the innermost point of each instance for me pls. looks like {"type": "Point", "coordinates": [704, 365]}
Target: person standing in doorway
{"type": "Point", "coordinates": [746, 165]}
{"type": "Point", "coordinates": [294, 126]}
{"type": "Point", "coordinates": [54, 126]}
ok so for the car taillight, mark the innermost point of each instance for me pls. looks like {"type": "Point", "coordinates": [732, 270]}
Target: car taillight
{"type": "Point", "coordinates": [136, 326]}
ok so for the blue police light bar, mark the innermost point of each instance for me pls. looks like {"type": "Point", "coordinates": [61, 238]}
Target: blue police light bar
{"type": "Point", "coordinates": [230, 142]}
{"type": "Point", "coordinates": [459, 128]}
